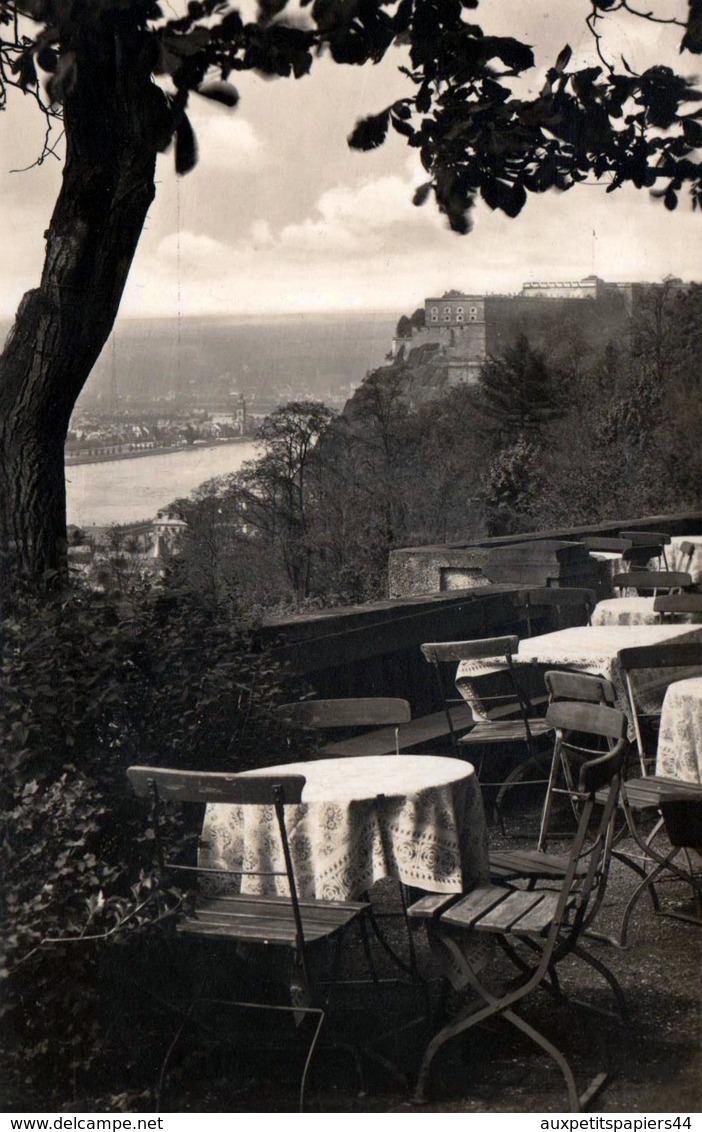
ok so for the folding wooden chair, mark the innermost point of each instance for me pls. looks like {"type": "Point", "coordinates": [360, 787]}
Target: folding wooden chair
{"type": "Point", "coordinates": [554, 598]}
{"type": "Point", "coordinates": [656, 666]}
{"type": "Point", "coordinates": [606, 543]}
{"type": "Point", "coordinates": [370, 712]}
{"type": "Point", "coordinates": [537, 928]}
{"type": "Point", "coordinates": [281, 929]}
{"type": "Point", "coordinates": [646, 545]}
{"type": "Point", "coordinates": [499, 718]}
{"type": "Point", "coordinates": [647, 671]}
{"type": "Point", "coordinates": [537, 864]}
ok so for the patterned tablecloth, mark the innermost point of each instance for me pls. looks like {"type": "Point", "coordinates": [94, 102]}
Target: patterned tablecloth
{"type": "Point", "coordinates": [428, 830]}
{"type": "Point", "coordinates": [588, 648]}
{"type": "Point", "coordinates": [678, 561]}
{"type": "Point", "coordinates": [625, 611]}
{"type": "Point", "coordinates": [680, 737]}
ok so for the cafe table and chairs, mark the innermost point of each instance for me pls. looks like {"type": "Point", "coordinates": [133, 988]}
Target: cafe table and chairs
{"type": "Point", "coordinates": [416, 818]}
{"type": "Point", "coordinates": [593, 649]}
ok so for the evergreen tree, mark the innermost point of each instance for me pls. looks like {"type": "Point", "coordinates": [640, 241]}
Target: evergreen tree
{"type": "Point", "coordinates": [519, 392]}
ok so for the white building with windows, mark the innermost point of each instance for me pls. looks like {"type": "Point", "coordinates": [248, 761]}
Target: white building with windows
{"type": "Point", "coordinates": [455, 322]}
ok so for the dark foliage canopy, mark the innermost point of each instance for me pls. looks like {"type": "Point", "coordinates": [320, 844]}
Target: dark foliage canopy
{"type": "Point", "coordinates": [476, 137]}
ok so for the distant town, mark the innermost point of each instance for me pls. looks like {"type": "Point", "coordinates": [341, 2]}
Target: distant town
{"type": "Point", "coordinates": [146, 405]}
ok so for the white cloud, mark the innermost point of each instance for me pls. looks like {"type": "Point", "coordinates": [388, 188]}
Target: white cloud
{"type": "Point", "coordinates": [192, 253]}
{"type": "Point", "coordinates": [230, 143]}
{"type": "Point", "coordinates": [356, 217]}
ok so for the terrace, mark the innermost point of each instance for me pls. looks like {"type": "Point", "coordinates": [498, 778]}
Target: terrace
{"type": "Point", "coordinates": [445, 593]}
{"type": "Point", "coordinates": [373, 650]}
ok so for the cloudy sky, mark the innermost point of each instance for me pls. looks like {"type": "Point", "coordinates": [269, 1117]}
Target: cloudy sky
{"type": "Point", "coordinates": [280, 216]}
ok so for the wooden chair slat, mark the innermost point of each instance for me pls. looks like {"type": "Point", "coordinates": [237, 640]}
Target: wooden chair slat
{"type": "Point", "coordinates": [431, 905]}
{"type": "Point", "coordinates": [504, 731]}
{"type": "Point", "coordinates": [646, 538]}
{"type": "Point", "coordinates": [678, 603]}
{"type": "Point", "coordinates": [538, 919]}
{"type": "Point", "coordinates": [468, 910]}
{"type": "Point", "coordinates": [311, 913]}
{"type": "Point", "coordinates": [652, 580]}
{"type": "Point", "coordinates": [504, 915]}
{"type": "Point", "coordinates": [238, 898]}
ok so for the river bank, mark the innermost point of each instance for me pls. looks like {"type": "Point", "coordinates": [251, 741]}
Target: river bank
{"type": "Point", "coordinates": [73, 461]}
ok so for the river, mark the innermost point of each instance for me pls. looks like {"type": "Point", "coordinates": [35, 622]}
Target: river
{"type": "Point", "coordinates": [125, 491]}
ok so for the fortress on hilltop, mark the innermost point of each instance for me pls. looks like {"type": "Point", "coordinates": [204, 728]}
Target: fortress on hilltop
{"type": "Point", "coordinates": [467, 328]}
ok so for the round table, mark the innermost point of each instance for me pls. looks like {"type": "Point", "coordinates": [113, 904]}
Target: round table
{"type": "Point", "coordinates": [625, 611]}
{"type": "Point", "coordinates": [418, 818]}
{"type": "Point", "coordinates": [680, 738]}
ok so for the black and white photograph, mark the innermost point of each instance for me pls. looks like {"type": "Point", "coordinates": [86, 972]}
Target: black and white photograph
{"type": "Point", "coordinates": [350, 559]}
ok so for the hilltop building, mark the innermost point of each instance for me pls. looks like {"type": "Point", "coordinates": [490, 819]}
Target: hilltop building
{"type": "Point", "coordinates": [468, 328]}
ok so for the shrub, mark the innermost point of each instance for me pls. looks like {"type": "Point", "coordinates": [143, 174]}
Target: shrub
{"type": "Point", "coordinates": [90, 684]}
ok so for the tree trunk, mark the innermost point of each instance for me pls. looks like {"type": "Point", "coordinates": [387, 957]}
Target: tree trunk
{"type": "Point", "coordinates": [112, 119]}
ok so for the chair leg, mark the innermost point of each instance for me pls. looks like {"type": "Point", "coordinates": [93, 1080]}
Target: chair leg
{"type": "Point", "coordinates": [553, 1052]}
{"type": "Point", "coordinates": [169, 1053]}
{"type": "Point", "coordinates": [609, 978]}
{"type": "Point", "coordinates": [539, 763]}
{"type": "Point", "coordinates": [308, 1059]}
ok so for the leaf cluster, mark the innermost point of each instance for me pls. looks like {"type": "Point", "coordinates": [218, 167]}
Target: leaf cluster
{"type": "Point", "coordinates": [88, 685]}
{"type": "Point", "coordinates": [477, 139]}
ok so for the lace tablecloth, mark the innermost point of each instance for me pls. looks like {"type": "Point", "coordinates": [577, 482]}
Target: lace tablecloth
{"type": "Point", "coordinates": [588, 648]}
{"type": "Point", "coordinates": [678, 561]}
{"type": "Point", "coordinates": [428, 831]}
{"type": "Point", "coordinates": [680, 737]}
{"type": "Point", "coordinates": [625, 611]}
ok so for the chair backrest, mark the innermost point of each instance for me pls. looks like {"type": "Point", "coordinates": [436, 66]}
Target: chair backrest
{"type": "Point", "coordinates": [588, 724]}
{"type": "Point", "coordinates": [683, 655]}
{"type": "Point", "coordinates": [213, 786]}
{"type": "Point", "coordinates": [443, 653]}
{"type": "Point", "coordinates": [362, 712]}
{"type": "Point", "coordinates": [369, 711]}
{"type": "Point", "coordinates": [687, 550]}
{"type": "Point", "coordinates": [640, 557]}
{"type": "Point", "coordinates": [574, 688]}
{"type": "Point", "coordinates": [163, 784]}
{"type": "Point", "coordinates": [555, 598]}
{"type": "Point", "coordinates": [581, 687]}
{"type": "Point", "coordinates": [646, 538]}
{"type": "Point", "coordinates": [678, 603]}
{"type": "Point", "coordinates": [593, 721]}
{"type": "Point", "coordinates": [652, 580]}
{"type": "Point", "coordinates": [686, 654]}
